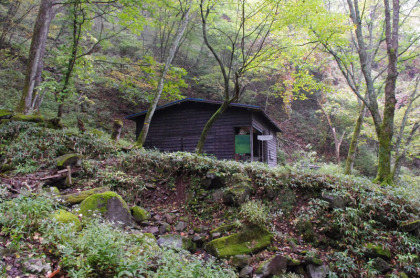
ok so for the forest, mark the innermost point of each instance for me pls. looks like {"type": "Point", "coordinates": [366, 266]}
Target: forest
{"type": "Point", "coordinates": [80, 195]}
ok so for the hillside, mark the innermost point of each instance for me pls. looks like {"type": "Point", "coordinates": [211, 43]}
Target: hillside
{"type": "Point", "coordinates": [186, 215]}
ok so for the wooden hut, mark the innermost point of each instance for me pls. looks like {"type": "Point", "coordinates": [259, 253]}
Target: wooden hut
{"type": "Point", "coordinates": [243, 132]}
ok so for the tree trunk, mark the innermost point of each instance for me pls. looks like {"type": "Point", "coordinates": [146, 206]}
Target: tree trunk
{"type": "Point", "coordinates": [401, 157]}
{"type": "Point", "coordinates": [143, 134]}
{"type": "Point", "coordinates": [36, 55]}
{"type": "Point", "coordinates": [116, 130]}
{"type": "Point", "coordinates": [209, 124]}
{"type": "Point", "coordinates": [384, 175]}
{"type": "Point", "coordinates": [354, 141]}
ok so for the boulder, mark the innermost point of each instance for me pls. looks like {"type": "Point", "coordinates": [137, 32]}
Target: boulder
{"type": "Point", "coordinates": [317, 271]}
{"type": "Point", "coordinates": [237, 195]}
{"type": "Point", "coordinates": [110, 205]}
{"type": "Point", "coordinates": [176, 242]}
{"type": "Point", "coordinates": [239, 261]}
{"type": "Point", "coordinates": [217, 196]}
{"type": "Point", "coordinates": [245, 242]}
{"type": "Point", "coordinates": [381, 265]}
{"type": "Point", "coordinates": [164, 228]}
{"type": "Point", "coordinates": [68, 160]}
{"type": "Point", "coordinates": [213, 180]}
{"type": "Point", "coordinates": [65, 217]}
{"type": "Point", "coordinates": [334, 202]}
{"type": "Point", "coordinates": [36, 266]}
{"type": "Point", "coordinates": [139, 214]}
{"type": "Point", "coordinates": [239, 191]}
{"type": "Point", "coordinates": [181, 226]}
{"type": "Point", "coordinates": [377, 251]}
{"type": "Point", "coordinates": [246, 271]}
{"type": "Point", "coordinates": [152, 230]}
{"type": "Point", "coordinates": [411, 226]}
{"type": "Point", "coordinates": [76, 198]}
{"type": "Point", "coordinates": [276, 265]}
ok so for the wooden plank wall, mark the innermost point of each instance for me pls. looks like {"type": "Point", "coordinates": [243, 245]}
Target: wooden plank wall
{"type": "Point", "coordinates": [179, 127]}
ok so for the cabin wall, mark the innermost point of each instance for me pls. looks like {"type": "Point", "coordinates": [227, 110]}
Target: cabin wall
{"type": "Point", "coordinates": [178, 128]}
{"type": "Point", "coordinates": [270, 147]}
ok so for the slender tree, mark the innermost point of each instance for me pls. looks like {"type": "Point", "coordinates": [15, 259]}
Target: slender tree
{"type": "Point", "coordinates": [247, 46]}
{"type": "Point", "coordinates": [368, 49]}
{"type": "Point", "coordinates": [175, 44]}
{"type": "Point", "coordinates": [36, 56]}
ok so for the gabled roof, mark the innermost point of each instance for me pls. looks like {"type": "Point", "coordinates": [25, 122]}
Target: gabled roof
{"type": "Point", "coordinates": [245, 106]}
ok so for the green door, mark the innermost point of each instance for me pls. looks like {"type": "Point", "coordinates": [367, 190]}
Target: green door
{"type": "Point", "coordinates": [242, 144]}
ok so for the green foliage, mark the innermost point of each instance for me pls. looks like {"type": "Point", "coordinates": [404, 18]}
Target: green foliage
{"type": "Point", "coordinates": [99, 250]}
{"type": "Point", "coordinates": [255, 213]}
{"type": "Point", "coordinates": [29, 142]}
{"type": "Point", "coordinates": [343, 264]}
{"type": "Point", "coordinates": [24, 215]}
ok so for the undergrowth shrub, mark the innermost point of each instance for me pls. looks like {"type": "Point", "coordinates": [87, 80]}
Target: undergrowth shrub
{"type": "Point", "coordinates": [99, 250]}
{"type": "Point", "coordinates": [255, 213]}
{"type": "Point", "coordinates": [30, 144]}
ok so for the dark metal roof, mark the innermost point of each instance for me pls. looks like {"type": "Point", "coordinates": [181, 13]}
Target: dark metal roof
{"type": "Point", "coordinates": [247, 106]}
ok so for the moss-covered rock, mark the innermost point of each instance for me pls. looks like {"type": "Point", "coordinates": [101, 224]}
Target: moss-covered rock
{"type": "Point", "coordinates": [68, 160]}
{"type": "Point", "coordinates": [239, 191]}
{"type": "Point", "coordinates": [176, 242]}
{"type": "Point", "coordinates": [65, 217]}
{"type": "Point", "coordinates": [377, 251]}
{"type": "Point", "coordinates": [5, 114]}
{"type": "Point", "coordinates": [410, 226]}
{"type": "Point", "coordinates": [239, 261]}
{"type": "Point", "coordinates": [139, 214]}
{"type": "Point", "coordinates": [245, 242]}
{"type": "Point", "coordinates": [27, 118]}
{"type": "Point", "coordinates": [110, 205]}
{"type": "Point", "coordinates": [237, 194]}
{"type": "Point", "coordinates": [77, 198]}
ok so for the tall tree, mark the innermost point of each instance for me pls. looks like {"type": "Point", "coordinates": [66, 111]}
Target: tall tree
{"type": "Point", "coordinates": [245, 47]}
{"type": "Point", "coordinates": [36, 56]}
{"type": "Point", "coordinates": [175, 44]}
{"type": "Point", "coordinates": [382, 24]}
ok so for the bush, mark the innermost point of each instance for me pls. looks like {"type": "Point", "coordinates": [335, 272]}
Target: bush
{"type": "Point", "coordinates": [26, 142]}
{"type": "Point", "coordinates": [255, 213]}
{"type": "Point", "coordinates": [99, 250]}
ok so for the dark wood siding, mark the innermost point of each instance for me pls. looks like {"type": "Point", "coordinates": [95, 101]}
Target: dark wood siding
{"type": "Point", "coordinates": [179, 127]}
